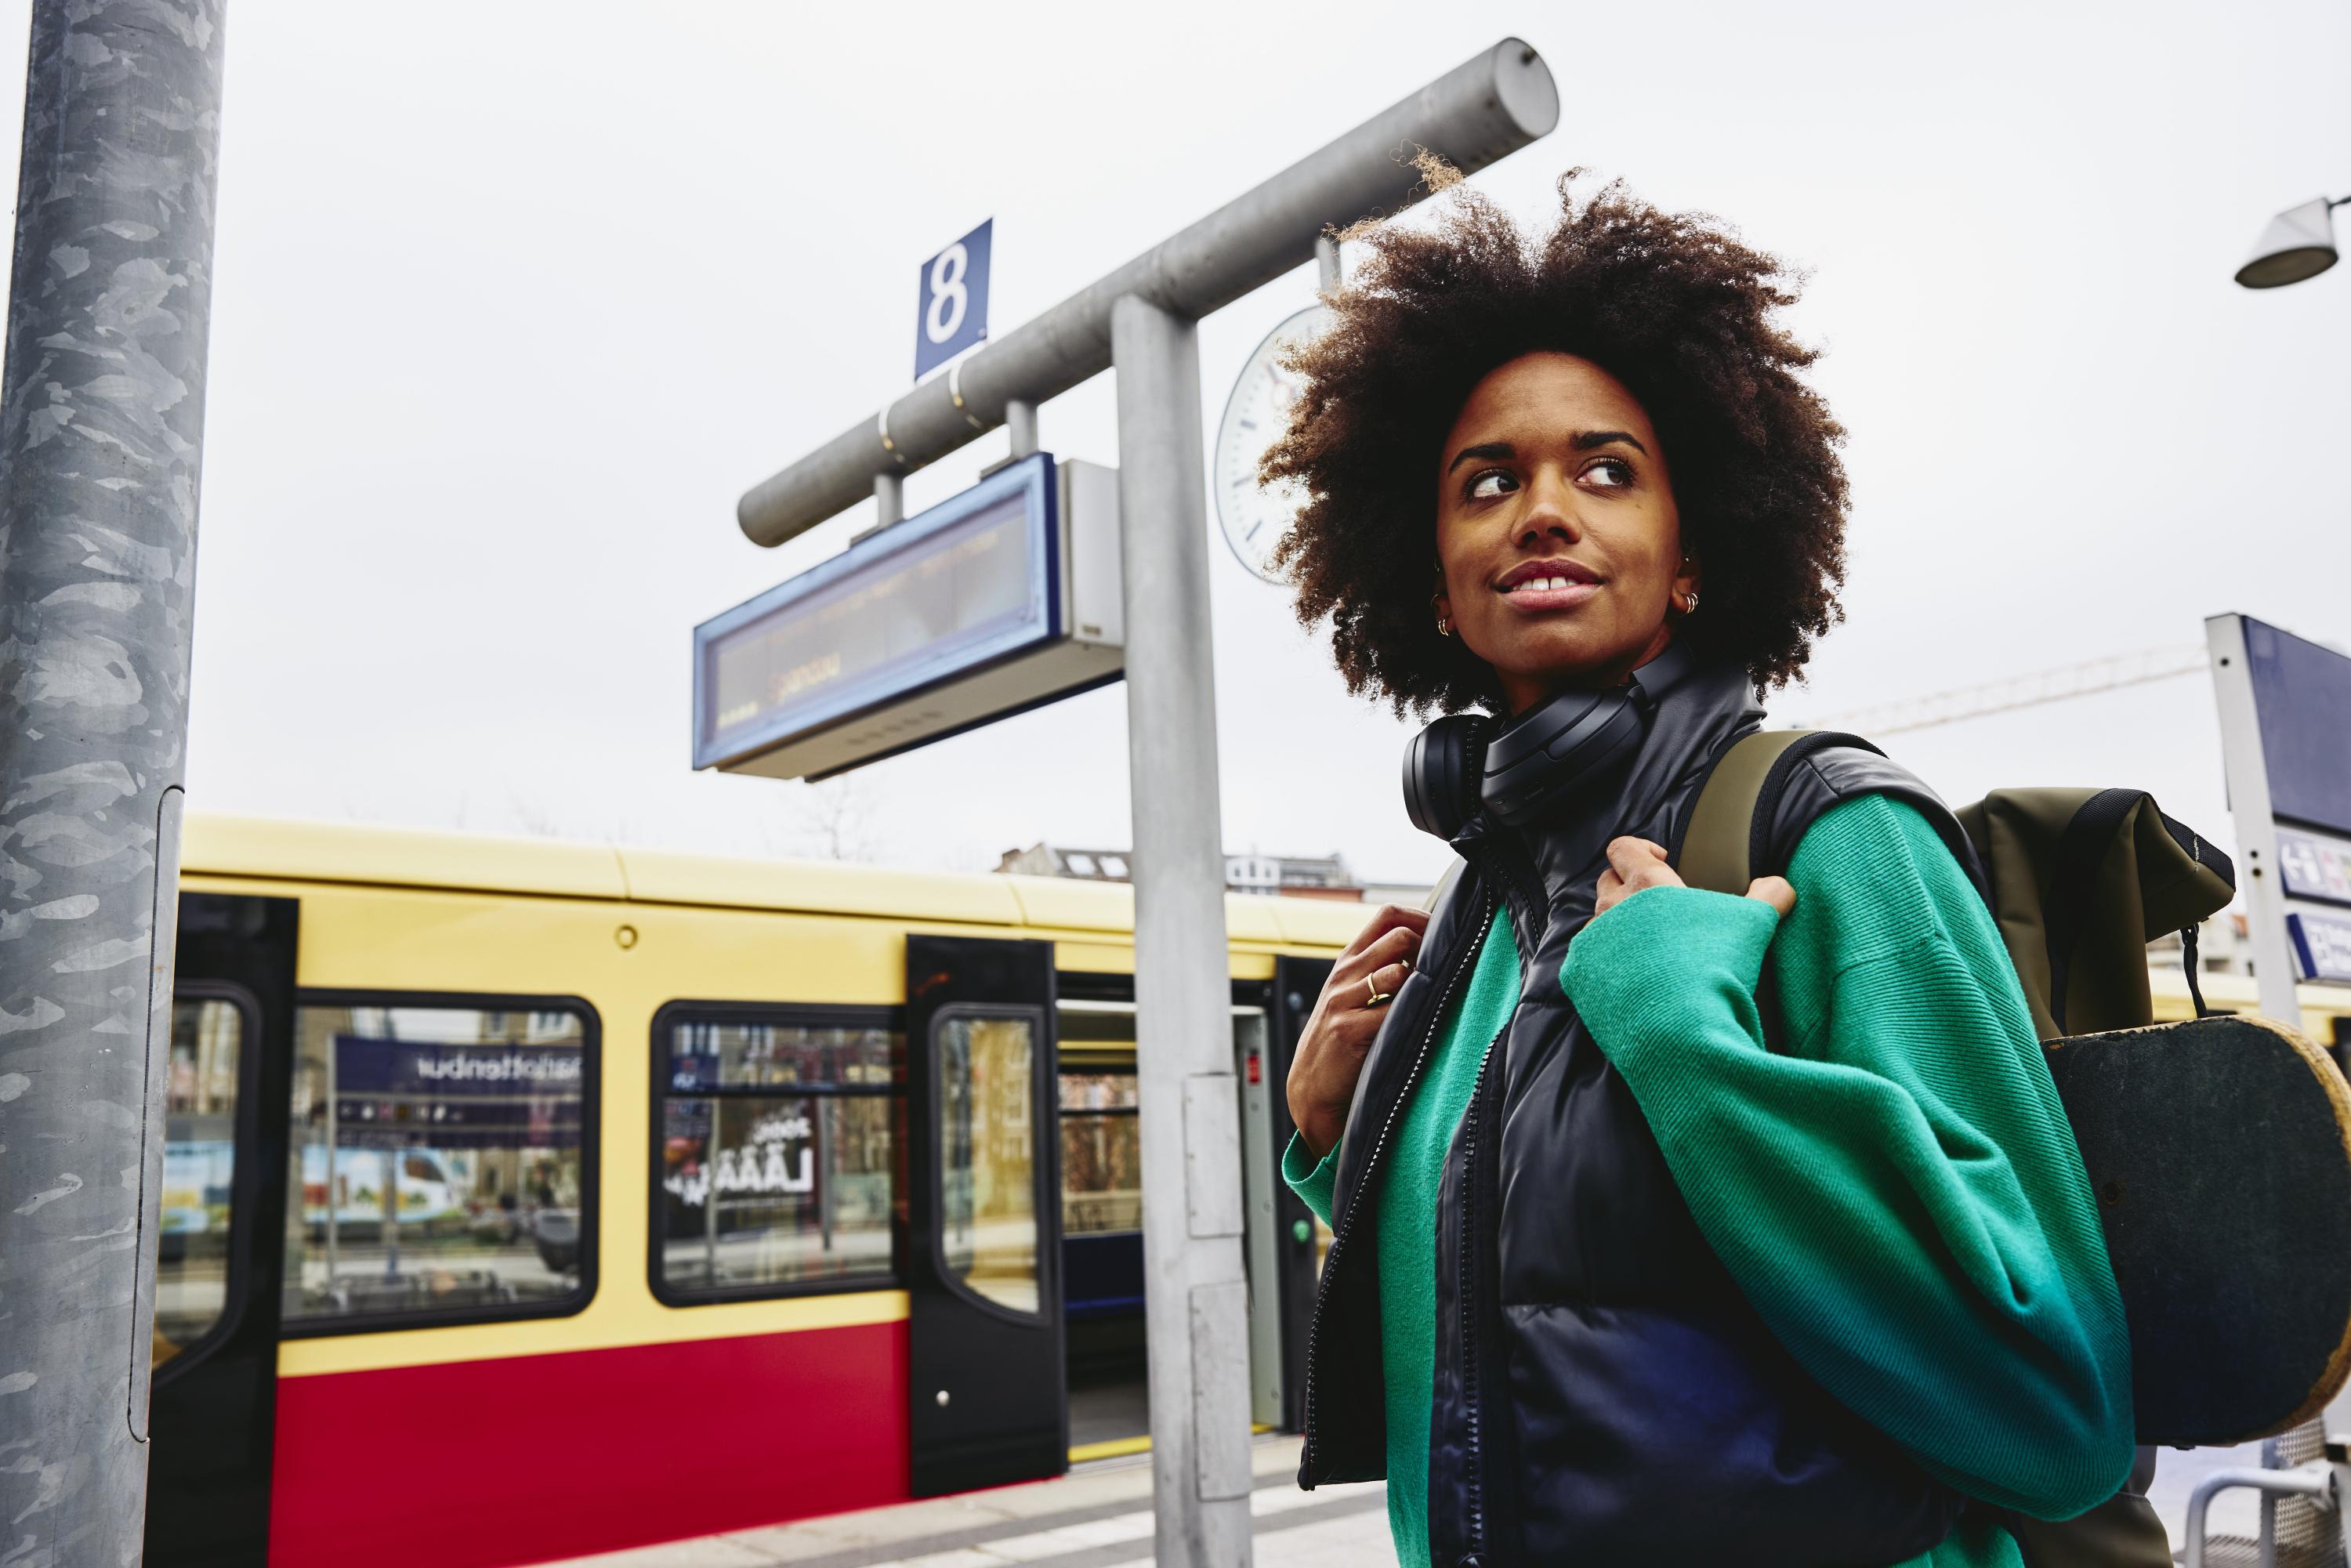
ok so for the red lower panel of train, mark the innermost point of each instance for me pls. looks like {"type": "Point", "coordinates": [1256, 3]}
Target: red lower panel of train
{"type": "Point", "coordinates": [480, 1464]}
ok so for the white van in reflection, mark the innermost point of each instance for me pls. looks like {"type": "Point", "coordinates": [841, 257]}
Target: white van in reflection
{"type": "Point", "coordinates": [427, 1193]}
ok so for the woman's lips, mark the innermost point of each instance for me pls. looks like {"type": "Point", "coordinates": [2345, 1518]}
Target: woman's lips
{"type": "Point", "coordinates": [1550, 593]}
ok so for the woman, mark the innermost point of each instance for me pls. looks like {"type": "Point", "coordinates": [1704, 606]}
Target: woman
{"type": "Point", "coordinates": [1630, 1268]}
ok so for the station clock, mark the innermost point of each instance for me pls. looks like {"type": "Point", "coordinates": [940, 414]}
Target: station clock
{"type": "Point", "coordinates": [1255, 517]}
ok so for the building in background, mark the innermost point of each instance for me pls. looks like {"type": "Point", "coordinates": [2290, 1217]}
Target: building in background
{"type": "Point", "coordinates": [1290, 876]}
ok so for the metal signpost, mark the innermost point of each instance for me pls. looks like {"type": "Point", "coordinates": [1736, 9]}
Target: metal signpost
{"type": "Point", "coordinates": [2285, 742]}
{"type": "Point", "coordinates": [101, 423]}
{"type": "Point", "coordinates": [1141, 318]}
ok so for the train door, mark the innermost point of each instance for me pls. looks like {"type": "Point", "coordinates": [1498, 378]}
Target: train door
{"type": "Point", "coordinates": [985, 1336]}
{"type": "Point", "coordinates": [1102, 1217]}
{"type": "Point", "coordinates": [1102, 1199]}
{"type": "Point", "coordinates": [221, 1253]}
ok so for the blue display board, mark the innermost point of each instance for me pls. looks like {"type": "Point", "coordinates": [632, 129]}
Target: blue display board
{"type": "Point", "coordinates": [2322, 945]}
{"type": "Point", "coordinates": [2302, 699]}
{"type": "Point", "coordinates": [951, 299]}
{"type": "Point", "coordinates": [971, 581]}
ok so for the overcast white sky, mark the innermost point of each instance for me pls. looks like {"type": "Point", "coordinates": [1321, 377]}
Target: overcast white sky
{"type": "Point", "coordinates": [513, 300]}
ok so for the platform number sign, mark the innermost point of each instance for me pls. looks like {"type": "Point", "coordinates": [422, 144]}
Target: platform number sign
{"type": "Point", "coordinates": [951, 308]}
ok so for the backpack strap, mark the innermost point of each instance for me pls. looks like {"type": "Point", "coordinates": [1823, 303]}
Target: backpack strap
{"type": "Point", "coordinates": [1770, 786]}
{"type": "Point", "coordinates": [1717, 845]}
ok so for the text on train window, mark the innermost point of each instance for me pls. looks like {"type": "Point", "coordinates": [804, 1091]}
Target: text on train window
{"type": "Point", "coordinates": [438, 1162]}
{"type": "Point", "coordinates": [780, 1144]}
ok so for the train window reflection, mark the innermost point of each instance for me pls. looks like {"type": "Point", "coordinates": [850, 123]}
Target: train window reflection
{"type": "Point", "coordinates": [436, 1162]}
{"type": "Point", "coordinates": [1101, 1155]}
{"type": "Point", "coordinates": [986, 1161]}
{"type": "Point", "coordinates": [199, 1173]}
{"type": "Point", "coordinates": [762, 1192]}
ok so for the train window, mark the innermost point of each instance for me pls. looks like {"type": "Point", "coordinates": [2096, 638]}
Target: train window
{"type": "Point", "coordinates": [1101, 1157]}
{"type": "Point", "coordinates": [777, 1168]}
{"type": "Point", "coordinates": [440, 1161]}
{"type": "Point", "coordinates": [199, 1173]}
{"type": "Point", "coordinates": [988, 1230]}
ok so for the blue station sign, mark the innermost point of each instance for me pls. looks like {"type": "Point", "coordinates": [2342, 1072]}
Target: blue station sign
{"type": "Point", "coordinates": [951, 299]}
{"type": "Point", "coordinates": [917, 631]}
{"type": "Point", "coordinates": [2322, 945]}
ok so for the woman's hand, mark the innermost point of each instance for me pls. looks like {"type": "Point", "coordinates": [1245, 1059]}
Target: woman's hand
{"type": "Point", "coordinates": [1338, 1036]}
{"type": "Point", "coordinates": [1636, 864]}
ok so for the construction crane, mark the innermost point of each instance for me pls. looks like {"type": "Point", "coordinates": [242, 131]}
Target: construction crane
{"type": "Point", "coordinates": [2060, 685]}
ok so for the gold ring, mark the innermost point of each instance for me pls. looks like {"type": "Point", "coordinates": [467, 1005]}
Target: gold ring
{"type": "Point", "coordinates": [1375, 997]}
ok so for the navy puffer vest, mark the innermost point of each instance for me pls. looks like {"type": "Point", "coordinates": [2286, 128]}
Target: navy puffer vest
{"type": "Point", "coordinates": [1604, 1392]}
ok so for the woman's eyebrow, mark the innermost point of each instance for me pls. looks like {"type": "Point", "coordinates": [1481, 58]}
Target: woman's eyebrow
{"type": "Point", "coordinates": [1586, 440]}
{"type": "Point", "coordinates": [1500, 450]}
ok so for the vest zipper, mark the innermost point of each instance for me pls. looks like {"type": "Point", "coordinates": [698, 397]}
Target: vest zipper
{"type": "Point", "coordinates": [1379, 1146]}
{"type": "Point", "coordinates": [1473, 1417]}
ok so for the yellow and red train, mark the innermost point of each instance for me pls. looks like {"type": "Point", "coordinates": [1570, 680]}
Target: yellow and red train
{"type": "Point", "coordinates": [526, 1199]}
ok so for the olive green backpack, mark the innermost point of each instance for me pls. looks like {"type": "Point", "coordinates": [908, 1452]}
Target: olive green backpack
{"type": "Point", "coordinates": [2219, 1148]}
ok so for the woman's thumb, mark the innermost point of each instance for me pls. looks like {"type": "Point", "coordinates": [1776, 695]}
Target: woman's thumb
{"type": "Point", "coordinates": [1775, 892]}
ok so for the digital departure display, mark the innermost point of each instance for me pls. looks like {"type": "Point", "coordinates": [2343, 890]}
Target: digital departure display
{"type": "Point", "coordinates": [967, 582]}
{"type": "Point", "coordinates": [2301, 696]}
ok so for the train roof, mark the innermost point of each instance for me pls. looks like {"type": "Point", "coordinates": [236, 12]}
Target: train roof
{"type": "Point", "coordinates": [285, 849]}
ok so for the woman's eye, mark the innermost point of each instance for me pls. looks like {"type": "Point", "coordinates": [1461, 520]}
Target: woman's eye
{"type": "Point", "coordinates": [1610, 473]}
{"type": "Point", "coordinates": [1493, 482]}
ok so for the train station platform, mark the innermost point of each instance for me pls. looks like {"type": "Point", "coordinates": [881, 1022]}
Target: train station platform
{"type": "Point", "coordinates": [1098, 1516]}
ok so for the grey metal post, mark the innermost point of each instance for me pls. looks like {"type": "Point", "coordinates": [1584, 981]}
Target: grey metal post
{"type": "Point", "coordinates": [1329, 274]}
{"type": "Point", "coordinates": [2249, 809]}
{"type": "Point", "coordinates": [889, 499]}
{"type": "Point", "coordinates": [1021, 424]}
{"type": "Point", "coordinates": [102, 432]}
{"type": "Point", "coordinates": [1196, 1300]}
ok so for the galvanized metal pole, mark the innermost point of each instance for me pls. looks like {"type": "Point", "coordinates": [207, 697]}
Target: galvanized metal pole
{"type": "Point", "coordinates": [101, 431]}
{"type": "Point", "coordinates": [1195, 1301]}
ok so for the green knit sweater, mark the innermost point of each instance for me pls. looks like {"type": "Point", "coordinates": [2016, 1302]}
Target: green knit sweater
{"type": "Point", "coordinates": [1896, 1192]}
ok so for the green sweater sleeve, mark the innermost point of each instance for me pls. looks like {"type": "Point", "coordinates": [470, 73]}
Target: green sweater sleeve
{"type": "Point", "coordinates": [1309, 1178]}
{"type": "Point", "coordinates": [1896, 1191]}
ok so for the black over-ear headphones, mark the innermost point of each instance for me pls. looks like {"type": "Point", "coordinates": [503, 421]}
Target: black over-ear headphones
{"type": "Point", "coordinates": [1521, 770]}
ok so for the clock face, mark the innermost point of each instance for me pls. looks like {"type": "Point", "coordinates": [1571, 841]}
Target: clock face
{"type": "Point", "coordinates": [1255, 515]}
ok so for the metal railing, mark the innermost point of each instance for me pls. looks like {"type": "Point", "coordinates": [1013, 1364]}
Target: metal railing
{"type": "Point", "coordinates": [2301, 1483]}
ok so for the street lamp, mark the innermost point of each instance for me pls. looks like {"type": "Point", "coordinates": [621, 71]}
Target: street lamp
{"type": "Point", "coordinates": [2298, 243]}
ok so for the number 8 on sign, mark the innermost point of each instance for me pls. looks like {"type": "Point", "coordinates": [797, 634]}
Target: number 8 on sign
{"type": "Point", "coordinates": [948, 296]}
{"type": "Point", "coordinates": [951, 308]}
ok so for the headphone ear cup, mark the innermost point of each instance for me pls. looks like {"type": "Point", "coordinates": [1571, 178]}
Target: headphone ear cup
{"type": "Point", "coordinates": [1444, 767]}
{"type": "Point", "coordinates": [1572, 744]}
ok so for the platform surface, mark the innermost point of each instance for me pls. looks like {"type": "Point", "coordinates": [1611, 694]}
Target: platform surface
{"type": "Point", "coordinates": [1099, 1516]}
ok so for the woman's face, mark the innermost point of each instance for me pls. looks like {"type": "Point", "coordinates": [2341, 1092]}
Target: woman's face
{"type": "Point", "coordinates": [1556, 533]}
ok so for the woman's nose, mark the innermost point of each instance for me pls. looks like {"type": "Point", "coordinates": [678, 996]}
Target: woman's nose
{"type": "Point", "coordinates": [1549, 513]}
